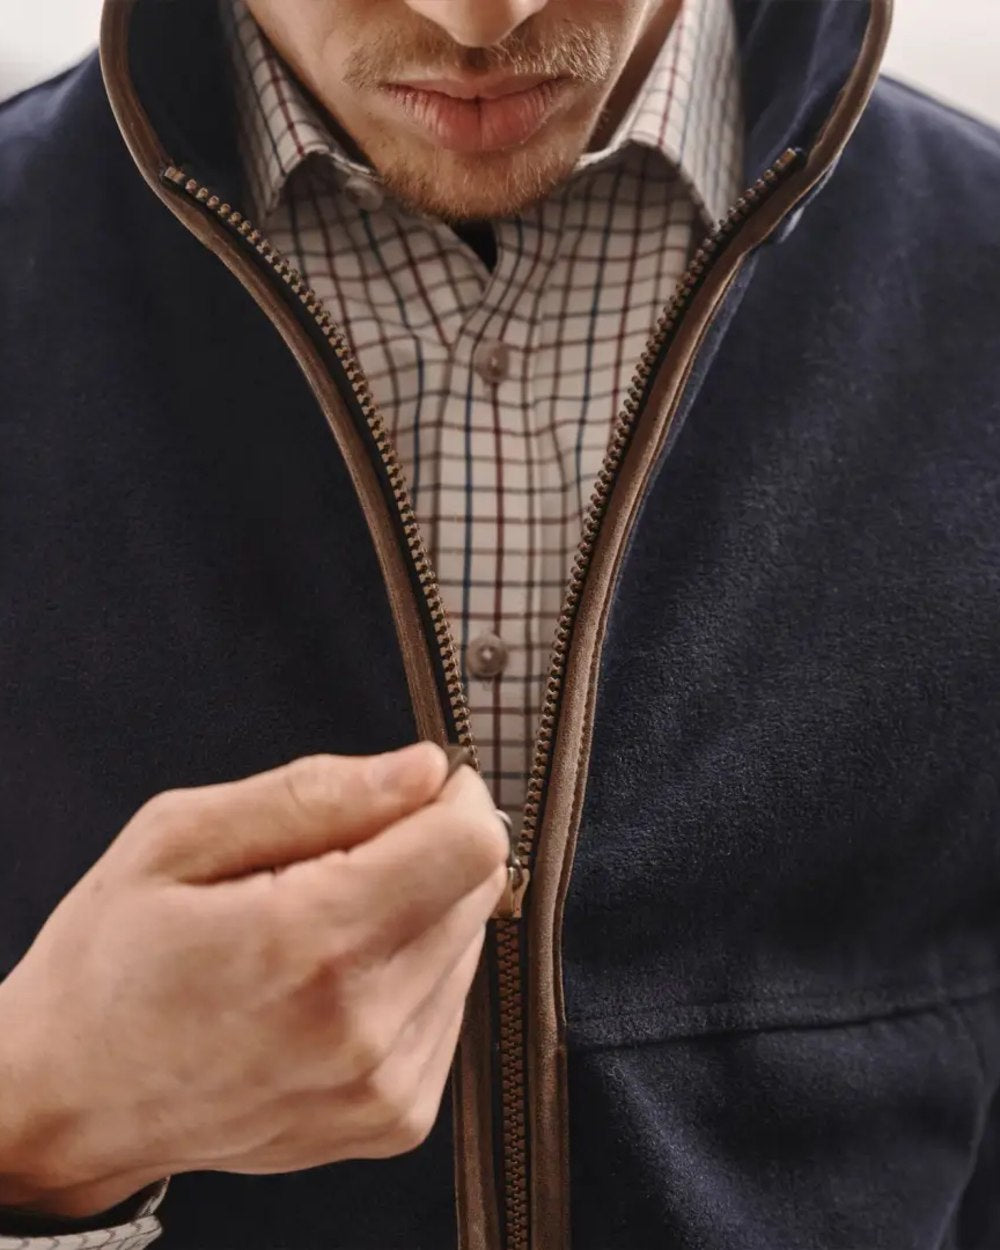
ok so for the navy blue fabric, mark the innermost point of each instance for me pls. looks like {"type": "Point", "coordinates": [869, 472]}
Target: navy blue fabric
{"type": "Point", "coordinates": [796, 57]}
{"type": "Point", "coordinates": [781, 948]}
{"type": "Point", "coordinates": [187, 585]}
{"type": "Point", "coordinates": [783, 926]}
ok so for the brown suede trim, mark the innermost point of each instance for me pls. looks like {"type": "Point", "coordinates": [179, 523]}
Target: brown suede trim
{"type": "Point", "coordinates": [546, 1054]}
{"type": "Point", "coordinates": [151, 160]}
{"type": "Point", "coordinates": [478, 1218]}
{"type": "Point", "coordinates": [476, 1198]}
{"type": "Point", "coordinates": [546, 1016]}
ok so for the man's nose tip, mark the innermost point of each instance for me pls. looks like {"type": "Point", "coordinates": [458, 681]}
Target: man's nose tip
{"type": "Point", "coordinates": [477, 23]}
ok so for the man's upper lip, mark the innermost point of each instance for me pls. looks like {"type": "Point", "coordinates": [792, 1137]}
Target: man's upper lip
{"type": "Point", "coordinates": [481, 88]}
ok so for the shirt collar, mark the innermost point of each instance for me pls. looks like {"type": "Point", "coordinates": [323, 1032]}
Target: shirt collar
{"type": "Point", "coordinates": [689, 108]}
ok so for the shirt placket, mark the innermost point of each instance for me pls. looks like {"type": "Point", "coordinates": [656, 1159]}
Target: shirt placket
{"type": "Point", "coordinates": [488, 565]}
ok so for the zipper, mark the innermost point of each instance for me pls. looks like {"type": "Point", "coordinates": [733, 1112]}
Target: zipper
{"type": "Point", "coordinates": [618, 444]}
{"type": "Point", "coordinates": [518, 874]}
{"type": "Point", "coordinates": [509, 1023]}
{"type": "Point", "coordinates": [296, 283]}
{"type": "Point", "coordinates": [513, 1184]}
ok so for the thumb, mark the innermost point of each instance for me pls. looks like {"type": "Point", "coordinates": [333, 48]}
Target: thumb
{"type": "Point", "coordinates": [309, 807]}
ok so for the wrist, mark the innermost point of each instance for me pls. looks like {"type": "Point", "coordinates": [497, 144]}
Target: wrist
{"type": "Point", "coordinates": [49, 1163]}
{"type": "Point", "coordinates": [16, 1222]}
{"type": "Point", "coordinates": [28, 1202]}
{"type": "Point", "coordinates": [45, 1170]}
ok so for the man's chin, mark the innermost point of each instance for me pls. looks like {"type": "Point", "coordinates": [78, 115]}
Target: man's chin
{"type": "Point", "coordinates": [485, 187]}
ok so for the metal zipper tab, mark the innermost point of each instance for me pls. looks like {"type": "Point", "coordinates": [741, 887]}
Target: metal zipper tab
{"type": "Point", "coordinates": [511, 902]}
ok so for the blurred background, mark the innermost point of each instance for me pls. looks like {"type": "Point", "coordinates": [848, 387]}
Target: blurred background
{"type": "Point", "coordinates": [950, 47]}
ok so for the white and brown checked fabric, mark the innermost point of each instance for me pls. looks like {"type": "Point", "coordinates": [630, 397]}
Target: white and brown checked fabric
{"type": "Point", "coordinates": [499, 388]}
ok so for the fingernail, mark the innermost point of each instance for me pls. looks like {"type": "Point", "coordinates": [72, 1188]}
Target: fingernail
{"type": "Point", "coordinates": [399, 770]}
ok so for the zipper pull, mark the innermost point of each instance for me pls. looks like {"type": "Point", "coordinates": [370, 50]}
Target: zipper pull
{"type": "Point", "coordinates": [518, 877]}
{"type": "Point", "coordinates": [512, 900]}
{"type": "Point", "coordinates": [457, 756]}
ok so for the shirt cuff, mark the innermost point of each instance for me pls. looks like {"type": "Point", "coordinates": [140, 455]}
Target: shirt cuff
{"type": "Point", "coordinates": [130, 1226]}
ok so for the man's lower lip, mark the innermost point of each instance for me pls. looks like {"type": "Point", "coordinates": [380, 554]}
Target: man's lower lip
{"type": "Point", "coordinates": [478, 125]}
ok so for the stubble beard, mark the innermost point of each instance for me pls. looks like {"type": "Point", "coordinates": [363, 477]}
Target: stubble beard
{"type": "Point", "coordinates": [487, 185]}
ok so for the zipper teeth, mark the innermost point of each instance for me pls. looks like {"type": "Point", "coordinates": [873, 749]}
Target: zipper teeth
{"type": "Point", "coordinates": [508, 932]}
{"type": "Point", "coordinates": [312, 303]}
{"type": "Point", "coordinates": [514, 1133]}
{"type": "Point", "coordinates": [617, 446]}
{"type": "Point", "coordinates": [513, 1103]}
{"type": "Point", "coordinates": [597, 506]}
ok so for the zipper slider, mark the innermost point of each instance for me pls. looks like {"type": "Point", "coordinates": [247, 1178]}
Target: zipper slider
{"type": "Point", "coordinates": [512, 900]}
{"type": "Point", "coordinates": [518, 877]}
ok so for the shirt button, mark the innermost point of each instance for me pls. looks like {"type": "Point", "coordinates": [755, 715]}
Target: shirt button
{"type": "Point", "coordinates": [364, 193]}
{"type": "Point", "coordinates": [492, 362]}
{"type": "Point", "coordinates": [487, 656]}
